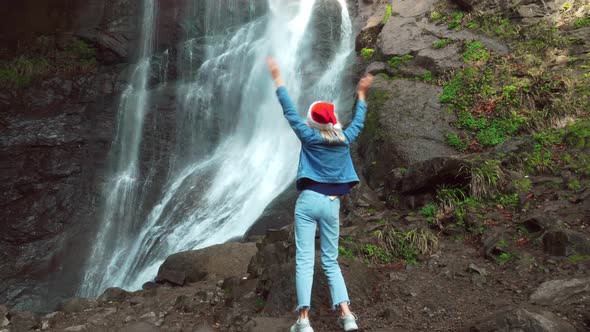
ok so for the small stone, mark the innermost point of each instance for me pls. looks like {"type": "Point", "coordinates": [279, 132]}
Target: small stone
{"type": "Point", "coordinates": [159, 322]}
{"type": "Point", "coordinates": [480, 270]}
{"type": "Point", "coordinates": [109, 311]}
{"type": "Point", "coordinates": [128, 319]}
{"type": "Point", "coordinates": [75, 328]}
{"type": "Point", "coordinates": [45, 325]}
{"type": "Point", "coordinates": [397, 277]}
{"type": "Point", "coordinates": [149, 315]}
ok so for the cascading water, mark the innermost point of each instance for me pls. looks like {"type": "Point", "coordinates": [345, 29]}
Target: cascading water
{"type": "Point", "coordinates": [233, 153]}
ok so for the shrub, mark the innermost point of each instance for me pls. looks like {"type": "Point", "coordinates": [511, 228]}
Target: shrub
{"type": "Point", "coordinates": [484, 177]}
{"type": "Point", "coordinates": [367, 53]}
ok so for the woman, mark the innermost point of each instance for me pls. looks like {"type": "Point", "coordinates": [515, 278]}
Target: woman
{"type": "Point", "coordinates": [325, 173]}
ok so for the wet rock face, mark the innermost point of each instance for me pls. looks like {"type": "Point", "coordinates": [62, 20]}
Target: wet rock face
{"type": "Point", "coordinates": [56, 135]}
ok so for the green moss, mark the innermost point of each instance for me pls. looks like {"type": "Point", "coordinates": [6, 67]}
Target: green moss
{"type": "Point", "coordinates": [466, 120]}
{"type": "Point", "coordinates": [576, 259]}
{"type": "Point", "coordinates": [574, 185]}
{"type": "Point", "coordinates": [20, 72]}
{"type": "Point", "coordinates": [427, 77]}
{"type": "Point", "coordinates": [81, 50]}
{"type": "Point", "coordinates": [522, 185]}
{"type": "Point", "coordinates": [397, 62]}
{"type": "Point", "coordinates": [367, 53]}
{"type": "Point", "coordinates": [582, 22]}
{"type": "Point", "coordinates": [388, 13]}
{"type": "Point", "coordinates": [475, 51]}
{"type": "Point", "coordinates": [578, 134]}
{"type": "Point", "coordinates": [442, 43]}
{"type": "Point", "coordinates": [456, 142]}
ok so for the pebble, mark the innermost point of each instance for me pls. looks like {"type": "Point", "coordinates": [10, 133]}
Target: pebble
{"type": "Point", "coordinates": [75, 328]}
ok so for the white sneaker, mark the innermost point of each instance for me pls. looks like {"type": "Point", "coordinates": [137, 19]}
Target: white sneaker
{"type": "Point", "coordinates": [348, 322]}
{"type": "Point", "coordinates": [302, 325]}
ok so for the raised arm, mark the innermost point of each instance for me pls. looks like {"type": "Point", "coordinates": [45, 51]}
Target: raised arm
{"type": "Point", "coordinates": [356, 126]}
{"type": "Point", "coordinates": [302, 130]}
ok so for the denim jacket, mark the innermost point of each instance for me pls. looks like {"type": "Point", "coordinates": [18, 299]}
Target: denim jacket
{"type": "Point", "coordinates": [321, 161]}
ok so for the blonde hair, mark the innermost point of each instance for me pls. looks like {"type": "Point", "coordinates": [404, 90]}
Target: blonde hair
{"type": "Point", "coordinates": [334, 135]}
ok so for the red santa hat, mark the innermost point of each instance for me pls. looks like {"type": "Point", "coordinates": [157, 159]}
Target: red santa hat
{"type": "Point", "coordinates": [321, 116]}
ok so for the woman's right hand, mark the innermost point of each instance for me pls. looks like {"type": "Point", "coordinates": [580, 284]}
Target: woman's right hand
{"type": "Point", "coordinates": [273, 68]}
{"type": "Point", "coordinates": [364, 85]}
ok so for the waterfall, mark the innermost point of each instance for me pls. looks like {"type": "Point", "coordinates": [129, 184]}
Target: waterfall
{"type": "Point", "coordinates": [233, 152]}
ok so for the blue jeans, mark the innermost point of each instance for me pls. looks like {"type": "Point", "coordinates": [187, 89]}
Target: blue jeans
{"type": "Point", "coordinates": [313, 209]}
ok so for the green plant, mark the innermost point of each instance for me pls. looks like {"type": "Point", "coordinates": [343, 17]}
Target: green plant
{"type": "Point", "coordinates": [403, 170]}
{"type": "Point", "coordinates": [435, 15]}
{"type": "Point", "coordinates": [456, 142]}
{"type": "Point", "coordinates": [81, 50]}
{"type": "Point", "coordinates": [345, 252]}
{"type": "Point", "coordinates": [450, 198]}
{"type": "Point", "coordinates": [429, 211]}
{"type": "Point", "coordinates": [495, 25]}
{"type": "Point", "coordinates": [455, 20]}
{"type": "Point", "coordinates": [475, 51]}
{"type": "Point", "coordinates": [566, 5]}
{"type": "Point", "coordinates": [407, 245]}
{"type": "Point", "coordinates": [20, 71]}
{"type": "Point", "coordinates": [522, 185]}
{"type": "Point", "coordinates": [388, 13]}
{"type": "Point", "coordinates": [504, 258]}
{"type": "Point", "coordinates": [443, 43]}
{"type": "Point", "coordinates": [427, 77]}
{"type": "Point", "coordinates": [484, 177]}
{"type": "Point", "coordinates": [575, 259]}
{"type": "Point", "coordinates": [508, 200]}
{"type": "Point", "coordinates": [574, 185]}
{"type": "Point", "coordinates": [260, 302]}
{"type": "Point", "coordinates": [582, 22]}
{"type": "Point", "coordinates": [367, 53]}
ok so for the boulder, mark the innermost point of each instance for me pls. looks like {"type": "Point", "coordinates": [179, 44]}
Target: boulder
{"type": "Point", "coordinates": [523, 320]}
{"type": "Point", "coordinates": [3, 319]}
{"type": "Point", "coordinates": [564, 242]}
{"type": "Point", "coordinates": [405, 124]}
{"type": "Point", "coordinates": [414, 8]}
{"type": "Point", "coordinates": [114, 294]}
{"type": "Point", "coordinates": [23, 321]}
{"type": "Point", "coordinates": [76, 304]}
{"type": "Point", "coordinates": [556, 292]}
{"type": "Point", "coordinates": [213, 263]}
{"type": "Point", "coordinates": [401, 36]}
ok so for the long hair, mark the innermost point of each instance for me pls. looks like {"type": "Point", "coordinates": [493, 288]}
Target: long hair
{"type": "Point", "coordinates": [334, 135]}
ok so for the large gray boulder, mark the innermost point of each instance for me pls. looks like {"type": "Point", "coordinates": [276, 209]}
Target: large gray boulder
{"type": "Point", "coordinates": [405, 124]}
{"type": "Point", "coordinates": [213, 263]}
{"type": "Point", "coordinates": [523, 320]}
{"type": "Point", "coordinates": [555, 292]}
